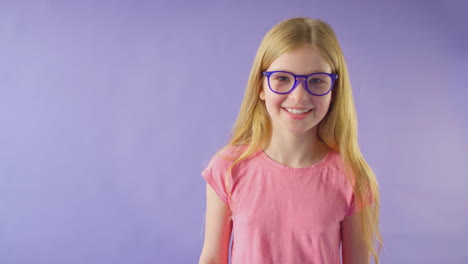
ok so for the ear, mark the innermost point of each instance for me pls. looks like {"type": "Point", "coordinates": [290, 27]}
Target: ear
{"type": "Point", "coordinates": [262, 95]}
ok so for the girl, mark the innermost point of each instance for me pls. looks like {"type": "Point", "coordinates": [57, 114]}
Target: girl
{"type": "Point", "coordinates": [292, 184]}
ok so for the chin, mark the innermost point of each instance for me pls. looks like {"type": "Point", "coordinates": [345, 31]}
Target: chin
{"type": "Point", "coordinates": [300, 131]}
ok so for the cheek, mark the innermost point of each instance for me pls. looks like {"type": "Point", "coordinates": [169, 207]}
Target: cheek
{"type": "Point", "coordinates": [323, 105]}
{"type": "Point", "coordinates": [273, 101]}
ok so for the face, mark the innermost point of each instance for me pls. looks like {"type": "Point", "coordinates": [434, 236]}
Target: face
{"type": "Point", "coordinates": [303, 61]}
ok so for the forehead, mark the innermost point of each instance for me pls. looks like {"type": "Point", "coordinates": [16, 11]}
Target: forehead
{"type": "Point", "coordinates": [303, 60]}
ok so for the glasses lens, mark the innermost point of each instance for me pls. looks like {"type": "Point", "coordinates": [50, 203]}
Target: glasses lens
{"type": "Point", "coordinates": [281, 82]}
{"type": "Point", "coordinates": [319, 83]}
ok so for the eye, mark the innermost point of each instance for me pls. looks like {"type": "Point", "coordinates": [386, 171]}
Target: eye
{"type": "Point", "coordinates": [316, 80]}
{"type": "Point", "coordinates": [282, 77]}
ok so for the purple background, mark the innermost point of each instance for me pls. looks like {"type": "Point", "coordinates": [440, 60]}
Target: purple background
{"type": "Point", "coordinates": [109, 111]}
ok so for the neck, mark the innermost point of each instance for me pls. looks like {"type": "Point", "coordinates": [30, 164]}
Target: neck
{"type": "Point", "coordinates": [296, 150]}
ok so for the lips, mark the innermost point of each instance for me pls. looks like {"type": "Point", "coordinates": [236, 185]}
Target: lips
{"type": "Point", "coordinates": [297, 116]}
{"type": "Point", "coordinates": [297, 111]}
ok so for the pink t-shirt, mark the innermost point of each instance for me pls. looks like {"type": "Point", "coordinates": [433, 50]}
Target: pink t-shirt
{"type": "Point", "coordinates": [284, 214]}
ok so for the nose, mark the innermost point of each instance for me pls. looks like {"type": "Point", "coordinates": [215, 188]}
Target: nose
{"type": "Point", "coordinates": [299, 92]}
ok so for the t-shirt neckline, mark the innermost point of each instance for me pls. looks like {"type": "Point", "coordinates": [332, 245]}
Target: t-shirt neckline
{"type": "Point", "coordinates": [294, 169]}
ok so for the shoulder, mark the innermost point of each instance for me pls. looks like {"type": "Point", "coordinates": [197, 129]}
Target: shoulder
{"type": "Point", "coordinates": [226, 156]}
{"type": "Point", "coordinates": [230, 152]}
{"type": "Point", "coordinates": [338, 165]}
{"type": "Point", "coordinates": [335, 159]}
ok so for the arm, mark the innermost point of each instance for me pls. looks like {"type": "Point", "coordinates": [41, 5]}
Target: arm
{"type": "Point", "coordinates": [353, 249]}
{"type": "Point", "coordinates": [218, 229]}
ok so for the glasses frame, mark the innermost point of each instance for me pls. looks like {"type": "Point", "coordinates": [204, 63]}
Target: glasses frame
{"type": "Point", "coordinates": [334, 77]}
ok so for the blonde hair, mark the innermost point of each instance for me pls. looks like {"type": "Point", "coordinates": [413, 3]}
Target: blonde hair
{"type": "Point", "coordinates": [338, 129]}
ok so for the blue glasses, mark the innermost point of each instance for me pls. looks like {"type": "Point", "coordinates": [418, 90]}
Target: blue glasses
{"type": "Point", "coordinates": [283, 82]}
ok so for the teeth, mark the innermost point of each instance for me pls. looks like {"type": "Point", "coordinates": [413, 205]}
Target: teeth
{"type": "Point", "coordinates": [297, 111]}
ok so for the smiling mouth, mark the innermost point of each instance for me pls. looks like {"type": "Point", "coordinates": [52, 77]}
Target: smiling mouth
{"type": "Point", "coordinates": [297, 111]}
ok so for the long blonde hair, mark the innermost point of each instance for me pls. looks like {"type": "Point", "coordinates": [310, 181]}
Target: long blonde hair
{"type": "Point", "coordinates": [338, 129]}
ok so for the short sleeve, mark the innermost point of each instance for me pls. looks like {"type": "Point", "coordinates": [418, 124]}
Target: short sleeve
{"type": "Point", "coordinates": [353, 208]}
{"type": "Point", "coordinates": [214, 175]}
